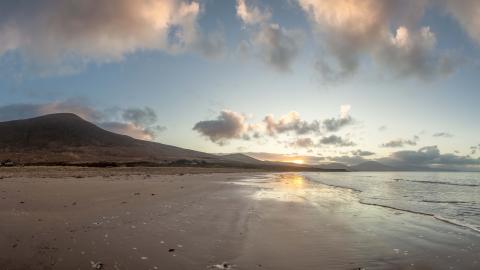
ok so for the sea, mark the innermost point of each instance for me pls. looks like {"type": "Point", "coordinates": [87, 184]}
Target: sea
{"type": "Point", "coordinates": [452, 197]}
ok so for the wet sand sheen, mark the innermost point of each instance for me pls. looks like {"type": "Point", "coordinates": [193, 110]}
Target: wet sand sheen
{"type": "Point", "coordinates": [125, 220]}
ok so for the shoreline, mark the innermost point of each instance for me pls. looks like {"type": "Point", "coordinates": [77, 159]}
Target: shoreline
{"type": "Point", "coordinates": [434, 216]}
{"type": "Point", "coordinates": [230, 220]}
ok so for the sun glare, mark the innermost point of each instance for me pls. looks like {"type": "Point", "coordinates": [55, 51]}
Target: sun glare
{"type": "Point", "coordinates": [298, 161]}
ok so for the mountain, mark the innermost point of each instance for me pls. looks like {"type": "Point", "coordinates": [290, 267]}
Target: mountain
{"type": "Point", "coordinates": [372, 166]}
{"type": "Point", "coordinates": [238, 157]}
{"type": "Point", "coordinates": [66, 139]}
{"type": "Point", "coordinates": [334, 166]}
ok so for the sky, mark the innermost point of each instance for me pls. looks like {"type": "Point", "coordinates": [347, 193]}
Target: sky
{"type": "Point", "coordinates": [300, 80]}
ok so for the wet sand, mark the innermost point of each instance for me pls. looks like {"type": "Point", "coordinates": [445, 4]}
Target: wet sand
{"type": "Point", "coordinates": [57, 218]}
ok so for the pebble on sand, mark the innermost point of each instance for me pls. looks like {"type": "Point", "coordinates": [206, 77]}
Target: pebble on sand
{"type": "Point", "coordinates": [96, 265]}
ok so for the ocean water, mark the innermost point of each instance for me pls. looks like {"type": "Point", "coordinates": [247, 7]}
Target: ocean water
{"type": "Point", "coordinates": [452, 197]}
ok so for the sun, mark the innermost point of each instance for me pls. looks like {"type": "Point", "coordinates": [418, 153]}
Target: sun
{"type": "Point", "coordinates": [298, 161]}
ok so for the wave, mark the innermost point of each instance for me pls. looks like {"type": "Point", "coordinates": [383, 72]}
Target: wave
{"type": "Point", "coordinates": [450, 202]}
{"type": "Point", "coordinates": [437, 217]}
{"type": "Point", "coordinates": [457, 223]}
{"type": "Point", "coordinates": [437, 182]}
{"type": "Point", "coordinates": [334, 186]}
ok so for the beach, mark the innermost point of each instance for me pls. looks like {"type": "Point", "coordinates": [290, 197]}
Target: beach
{"type": "Point", "coordinates": [206, 218]}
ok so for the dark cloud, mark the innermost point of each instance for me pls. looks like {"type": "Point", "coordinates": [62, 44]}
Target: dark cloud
{"type": "Point", "coordinates": [443, 134]}
{"type": "Point", "coordinates": [232, 125]}
{"type": "Point", "coordinates": [335, 124]}
{"type": "Point", "coordinates": [302, 143]}
{"type": "Point", "coordinates": [228, 125]}
{"type": "Point", "coordinates": [429, 156]}
{"type": "Point", "coordinates": [401, 143]}
{"type": "Point", "coordinates": [276, 46]}
{"type": "Point", "coordinates": [362, 153]}
{"type": "Point", "coordinates": [137, 123]}
{"type": "Point", "coordinates": [140, 117]}
{"type": "Point", "coordinates": [335, 140]}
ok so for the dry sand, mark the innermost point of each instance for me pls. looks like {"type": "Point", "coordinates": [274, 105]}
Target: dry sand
{"type": "Point", "coordinates": [138, 218]}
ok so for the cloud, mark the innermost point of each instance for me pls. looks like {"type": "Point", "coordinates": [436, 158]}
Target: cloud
{"type": "Point", "coordinates": [401, 142]}
{"type": "Point", "coordinates": [132, 130]}
{"type": "Point", "coordinates": [144, 117]}
{"type": "Point", "coordinates": [345, 110]}
{"type": "Point", "coordinates": [251, 14]}
{"type": "Point", "coordinates": [59, 36]}
{"type": "Point", "coordinates": [473, 149]}
{"type": "Point", "coordinates": [134, 122]}
{"type": "Point", "coordinates": [302, 143]}
{"type": "Point", "coordinates": [362, 153]}
{"type": "Point", "coordinates": [335, 124]}
{"type": "Point", "coordinates": [228, 125]}
{"type": "Point", "coordinates": [29, 110]}
{"type": "Point", "coordinates": [467, 13]}
{"type": "Point", "coordinates": [276, 46]}
{"type": "Point", "coordinates": [349, 30]}
{"type": "Point", "coordinates": [335, 140]}
{"type": "Point", "coordinates": [443, 135]}
{"type": "Point", "coordinates": [429, 156]}
{"type": "Point", "coordinates": [413, 54]}
{"type": "Point", "coordinates": [290, 123]}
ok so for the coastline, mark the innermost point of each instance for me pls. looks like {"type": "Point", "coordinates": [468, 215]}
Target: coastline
{"type": "Point", "coordinates": [137, 219]}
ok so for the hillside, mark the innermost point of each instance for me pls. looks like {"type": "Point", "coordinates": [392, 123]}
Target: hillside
{"type": "Point", "coordinates": [238, 157]}
{"type": "Point", "coordinates": [66, 139]}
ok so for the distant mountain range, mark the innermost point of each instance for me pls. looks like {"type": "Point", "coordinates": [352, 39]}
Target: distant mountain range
{"type": "Point", "coordinates": [370, 166]}
{"type": "Point", "coordinates": [67, 139]}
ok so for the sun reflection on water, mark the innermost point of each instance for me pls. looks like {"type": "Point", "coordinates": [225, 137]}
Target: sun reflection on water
{"type": "Point", "coordinates": [290, 187]}
{"type": "Point", "coordinates": [293, 187]}
{"type": "Point", "coordinates": [293, 181]}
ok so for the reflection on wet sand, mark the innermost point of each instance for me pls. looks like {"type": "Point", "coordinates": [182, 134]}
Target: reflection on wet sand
{"type": "Point", "coordinates": [293, 187]}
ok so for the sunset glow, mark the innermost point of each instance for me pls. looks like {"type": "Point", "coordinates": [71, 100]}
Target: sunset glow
{"type": "Point", "coordinates": [298, 161]}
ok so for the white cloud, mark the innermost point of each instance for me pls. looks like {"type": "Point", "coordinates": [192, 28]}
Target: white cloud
{"type": "Point", "coordinates": [251, 14]}
{"type": "Point", "coordinates": [345, 110]}
{"type": "Point", "coordinates": [57, 35]}
{"type": "Point", "coordinates": [291, 122]}
{"type": "Point", "coordinates": [348, 30]}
